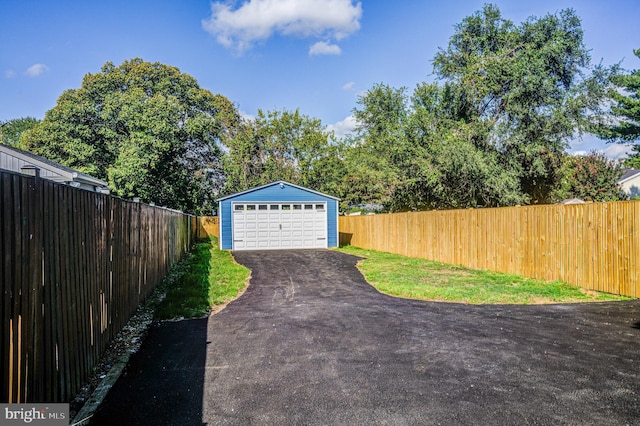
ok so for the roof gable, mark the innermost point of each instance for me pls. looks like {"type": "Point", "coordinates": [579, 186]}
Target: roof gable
{"type": "Point", "coordinates": [279, 182]}
{"type": "Point", "coordinates": [45, 163]}
{"type": "Point", "coordinates": [629, 174]}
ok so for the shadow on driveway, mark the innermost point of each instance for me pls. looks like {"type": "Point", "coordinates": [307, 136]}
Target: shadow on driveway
{"type": "Point", "coordinates": [310, 342]}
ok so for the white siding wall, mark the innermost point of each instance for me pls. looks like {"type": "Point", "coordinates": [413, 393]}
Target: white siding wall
{"type": "Point", "coordinates": [14, 164]}
{"type": "Point", "coordinates": [632, 186]}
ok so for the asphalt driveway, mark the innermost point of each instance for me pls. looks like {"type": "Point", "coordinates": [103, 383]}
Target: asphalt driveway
{"type": "Point", "coordinates": [310, 342]}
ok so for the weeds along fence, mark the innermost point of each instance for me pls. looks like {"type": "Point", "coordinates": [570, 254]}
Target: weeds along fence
{"type": "Point", "coordinates": [74, 266]}
{"type": "Point", "coordinates": [595, 246]}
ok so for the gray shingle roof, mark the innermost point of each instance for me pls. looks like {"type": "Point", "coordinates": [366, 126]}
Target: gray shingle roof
{"type": "Point", "coordinates": [628, 174]}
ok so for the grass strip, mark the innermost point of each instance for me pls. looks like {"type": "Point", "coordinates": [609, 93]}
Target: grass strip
{"type": "Point", "coordinates": [433, 281]}
{"type": "Point", "coordinates": [206, 277]}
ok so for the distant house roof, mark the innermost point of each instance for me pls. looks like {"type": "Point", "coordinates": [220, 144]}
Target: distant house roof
{"type": "Point", "coordinates": [15, 159]}
{"type": "Point", "coordinates": [630, 182]}
{"type": "Point", "coordinates": [572, 201]}
{"type": "Point", "coordinates": [629, 174]}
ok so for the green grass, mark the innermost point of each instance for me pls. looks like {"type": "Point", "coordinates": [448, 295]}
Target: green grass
{"type": "Point", "coordinates": [426, 280]}
{"type": "Point", "coordinates": [206, 278]}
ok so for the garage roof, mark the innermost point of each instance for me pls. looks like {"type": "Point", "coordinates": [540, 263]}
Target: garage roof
{"type": "Point", "coordinates": [278, 182]}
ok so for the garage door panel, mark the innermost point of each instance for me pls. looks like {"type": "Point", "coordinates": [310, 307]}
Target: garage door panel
{"type": "Point", "coordinates": [279, 226]}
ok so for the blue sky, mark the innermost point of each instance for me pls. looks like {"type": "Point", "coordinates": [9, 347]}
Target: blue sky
{"type": "Point", "coordinates": [315, 55]}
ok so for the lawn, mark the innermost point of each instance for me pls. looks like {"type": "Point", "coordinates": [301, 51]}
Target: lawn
{"type": "Point", "coordinates": [205, 280]}
{"type": "Point", "coordinates": [427, 280]}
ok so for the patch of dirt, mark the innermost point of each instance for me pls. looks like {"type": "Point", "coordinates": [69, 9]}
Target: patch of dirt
{"type": "Point", "coordinates": [537, 300]}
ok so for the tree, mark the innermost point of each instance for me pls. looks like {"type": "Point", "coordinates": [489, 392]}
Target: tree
{"type": "Point", "coordinates": [494, 133]}
{"type": "Point", "coordinates": [625, 95]}
{"type": "Point", "coordinates": [633, 160]}
{"type": "Point", "coordinates": [379, 151]}
{"type": "Point", "coordinates": [594, 178]}
{"type": "Point", "coordinates": [625, 110]}
{"type": "Point", "coordinates": [11, 130]}
{"type": "Point", "coordinates": [457, 167]}
{"type": "Point", "coordinates": [528, 84]}
{"type": "Point", "coordinates": [428, 153]}
{"type": "Point", "coordinates": [279, 145]}
{"type": "Point", "coordinates": [147, 128]}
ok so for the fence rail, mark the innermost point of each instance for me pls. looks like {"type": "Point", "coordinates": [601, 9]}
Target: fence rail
{"type": "Point", "coordinates": [74, 266]}
{"type": "Point", "coordinates": [595, 246]}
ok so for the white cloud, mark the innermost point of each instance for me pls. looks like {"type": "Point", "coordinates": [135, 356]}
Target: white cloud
{"type": "Point", "coordinates": [613, 151]}
{"type": "Point", "coordinates": [344, 127]}
{"type": "Point", "coordinates": [246, 115]}
{"type": "Point", "coordinates": [324, 48]}
{"type": "Point", "coordinates": [618, 151]}
{"type": "Point", "coordinates": [36, 69]}
{"type": "Point", "coordinates": [257, 20]}
{"type": "Point", "coordinates": [348, 86]}
{"type": "Point", "coordinates": [10, 73]}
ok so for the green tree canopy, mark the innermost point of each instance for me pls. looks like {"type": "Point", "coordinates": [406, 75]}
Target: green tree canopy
{"type": "Point", "coordinates": [147, 128]}
{"type": "Point", "coordinates": [528, 83]}
{"type": "Point", "coordinates": [11, 130]}
{"type": "Point", "coordinates": [594, 178]}
{"type": "Point", "coordinates": [624, 95]}
{"type": "Point", "coordinates": [493, 131]}
{"type": "Point", "coordinates": [280, 145]}
{"type": "Point", "coordinates": [425, 152]}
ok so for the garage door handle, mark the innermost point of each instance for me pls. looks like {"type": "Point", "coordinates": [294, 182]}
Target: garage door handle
{"type": "Point", "coordinates": [281, 227]}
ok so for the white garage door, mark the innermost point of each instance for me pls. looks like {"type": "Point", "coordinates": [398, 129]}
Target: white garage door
{"type": "Point", "coordinates": [264, 226]}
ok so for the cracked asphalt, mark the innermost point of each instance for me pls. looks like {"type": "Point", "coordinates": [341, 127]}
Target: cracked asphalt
{"type": "Point", "coordinates": [311, 343]}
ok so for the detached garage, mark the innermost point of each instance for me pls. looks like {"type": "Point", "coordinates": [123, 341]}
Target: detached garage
{"type": "Point", "coordinates": [279, 215]}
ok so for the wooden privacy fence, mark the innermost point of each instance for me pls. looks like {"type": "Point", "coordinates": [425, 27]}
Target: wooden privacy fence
{"type": "Point", "coordinates": [74, 265]}
{"type": "Point", "coordinates": [595, 246]}
{"type": "Point", "coordinates": [208, 226]}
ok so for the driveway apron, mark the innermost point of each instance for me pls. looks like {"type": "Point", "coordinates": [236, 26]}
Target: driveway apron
{"type": "Point", "coordinates": [310, 342]}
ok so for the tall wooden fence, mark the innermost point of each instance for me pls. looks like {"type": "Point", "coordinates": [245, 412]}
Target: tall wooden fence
{"type": "Point", "coordinates": [208, 226]}
{"type": "Point", "coordinates": [74, 265]}
{"type": "Point", "coordinates": [595, 246]}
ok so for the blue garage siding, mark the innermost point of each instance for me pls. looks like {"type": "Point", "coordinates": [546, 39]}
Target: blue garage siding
{"type": "Point", "coordinates": [275, 194]}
